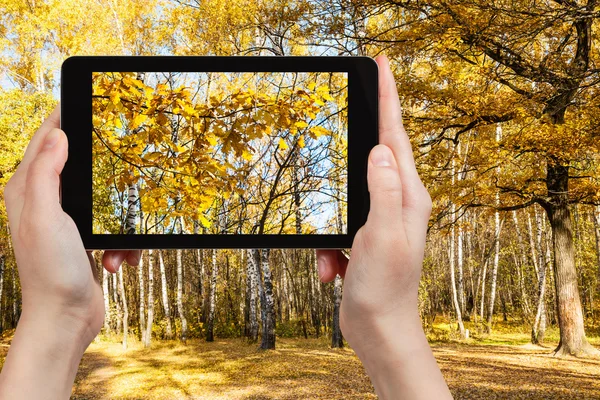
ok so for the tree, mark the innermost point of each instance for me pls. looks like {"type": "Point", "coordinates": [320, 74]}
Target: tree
{"type": "Point", "coordinates": [268, 331]}
{"type": "Point", "coordinates": [150, 321]}
{"type": "Point", "coordinates": [212, 298]}
{"type": "Point", "coordinates": [125, 308]}
{"type": "Point", "coordinates": [538, 59]}
{"type": "Point", "coordinates": [165, 295]}
{"type": "Point", "coordinates": [252, 276]}
{"type": "Point", "coordinates": [142, 300]}
{"type": "Point", "coordinates": [180, 309]}
{"type": "Point", "coordinates": [337, 340]}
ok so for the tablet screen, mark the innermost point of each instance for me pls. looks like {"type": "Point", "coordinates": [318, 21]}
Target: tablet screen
{"type": "Point", "coordinates": [219, 153]}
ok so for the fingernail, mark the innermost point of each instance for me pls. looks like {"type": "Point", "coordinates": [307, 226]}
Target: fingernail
{"type": "Point", "coordinates": [381, 156]}
{"type": "Point", "coordinates": [115, 262]}
{"type": "Point", "coordinates": [320, 267]}
{"type": "Point", "coordinates": [52, 138]}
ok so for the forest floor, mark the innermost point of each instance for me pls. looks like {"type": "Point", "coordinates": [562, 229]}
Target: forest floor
{"type": "Point", "coordinates": [500, 366]}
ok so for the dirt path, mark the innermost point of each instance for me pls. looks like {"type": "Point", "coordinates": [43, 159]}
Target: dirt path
{"type": "Point", "coordinates": [308, 369]}
{"type": "Point", "coordinates": [516, 372]}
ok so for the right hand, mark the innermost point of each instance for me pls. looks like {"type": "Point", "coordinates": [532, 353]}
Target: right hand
{"type": "Point", "coordinates": [382, 276]}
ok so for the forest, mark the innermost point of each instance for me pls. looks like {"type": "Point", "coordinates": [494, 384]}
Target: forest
{"type": "Point", "coordinates": [501, 102]}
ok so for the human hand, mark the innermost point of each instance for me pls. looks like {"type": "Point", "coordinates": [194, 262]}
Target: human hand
{"type": "Point", "coordinates": [379, 316]}
{"type": "Point", "coordinates": [62, 301]}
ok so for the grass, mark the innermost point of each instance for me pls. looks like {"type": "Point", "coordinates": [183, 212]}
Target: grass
{"type": "Point", "coordinates": [501, 366]}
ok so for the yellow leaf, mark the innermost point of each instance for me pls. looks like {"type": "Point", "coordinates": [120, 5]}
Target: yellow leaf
{"type": "Point", "coordinates": [138, 120]}
{"type": "Point", "coordinates": [115, 98]}
{"type": "Point", "coordinates": [301, 124]}
{"type": "Point", "coordinates": [282, 144]}
{"type": "Point", "coordinates": [301, 142]}
{"type": "Point", "coordinates": [212, 140]}
{"type": "Point", "coordinates": [246, 155]}
{"type": "Point", "coordinates": [153, 156]}
{"type": "Point", "coordinates": [205, 222]}
{"type": "Point", "coordinates": [311, 86]}
{"type": "Point", "coordinates": [319, 131]}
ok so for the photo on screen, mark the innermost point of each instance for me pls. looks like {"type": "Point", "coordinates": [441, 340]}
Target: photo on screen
{"type": "Point", "coordinates": [220, 153]}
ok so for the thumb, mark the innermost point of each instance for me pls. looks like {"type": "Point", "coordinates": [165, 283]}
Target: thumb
{"type": "Point", "coordinates": [43, 176]}
{"type": "Point", "coordinates": [385, 190]}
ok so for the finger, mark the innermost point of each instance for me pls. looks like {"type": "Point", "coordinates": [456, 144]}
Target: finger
{"type": "Point", "coordinates": [327, 263]}
{"type": "Point", "coordinates": [385, 190]}
{"type": "Point", "coordinates": [133, 257]}
{"type": "Point", "coordinates": [41, 197]}
{"type": "Point", "coordinates": [15, 189]}
{"type": "Point", "coordinates": [112, 259]}
{"type": "Point", "coordinates": [393, 134]}
{"type": "Point", "coordinates": [331, 263]}
{"type": "Point", "coordinates": [35, 145]}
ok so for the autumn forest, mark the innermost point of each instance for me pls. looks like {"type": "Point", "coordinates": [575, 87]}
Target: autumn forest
{"type": "Point", "coordinates": [500, 100]}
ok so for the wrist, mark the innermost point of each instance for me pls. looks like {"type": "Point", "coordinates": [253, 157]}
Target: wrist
{"type": "Point", "coordinates": [50, 329]}
{"type": "Point", "coordinates": [392, 337]}
{"type": "Point", "coordinates": [44, 352]}
{"type": "Point", "coordinates": [399, 360]}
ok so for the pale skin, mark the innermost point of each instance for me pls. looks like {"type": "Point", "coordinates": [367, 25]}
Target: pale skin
{"type": "Point", "coordinates": [63, 306]}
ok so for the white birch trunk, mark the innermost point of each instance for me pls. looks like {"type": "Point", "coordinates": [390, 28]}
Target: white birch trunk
{"type": "Point", "coordinates": [2, 267]}
{"type": "Point", "coordinates": [268, 336]}
{"type": "Point", "coordinates": [117, 303]}
{"type": "Point", "coordinates": [596, 216]}
{"type": "Point", "coordinates": [494, 271]}
{"type": "Point", "coordinates": [212, 299]}
{"type": "Point", "coordinates": [252, 271]}
{"type": "Point", "coordinates": [455, 302]}
{"type": "Point", "coordinates": [142, 299]}
{"type": "Point", "coordinates": [132, 210]}
{"type": "Point", "coordinates": [180, 310]}
{"type": "Point", "coordinates": [452, 259]}
{"type": "Point", "coordinates": [165, 295]}
{"type": "Point", "coordinates": [105, 293]}
{"type": "Point", "coordinates": [125, 308]}
{"type": "Point", "coordinates": [496, 248]}
{"type": "Point", "coordinates": [150, 321]}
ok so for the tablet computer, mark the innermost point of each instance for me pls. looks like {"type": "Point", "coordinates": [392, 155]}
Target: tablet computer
{"type": "Point", "coordinates": [218, 152]}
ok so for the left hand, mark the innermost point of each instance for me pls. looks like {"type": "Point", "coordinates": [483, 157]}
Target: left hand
{"type": "Point", "coordinates": [58, 278]}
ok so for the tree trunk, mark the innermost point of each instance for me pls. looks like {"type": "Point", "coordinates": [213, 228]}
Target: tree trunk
{"type": "Point", "coordinates": [494, 271]}
{"type": "Point", "coordinates": [568, 304]}
{"type": "Point", "coordinates": [460, 264]}
{"type": "Point", "coordinates": [252, 266]}
{"type": "Point", "coordinates": [212, 298]}
{"type": "Point", "coordinates": [125, 308]}
{"type": "Point", "coordinates": [165, 295]}
{"type": "Point", "coordinates": [180, 310]}
{"type": "Point", "coordinates": [150, 322]}
{"type": "Point", "coordinates": [142, 300]}
{"type": "Point", "coordinates": [2, 265]}
{"type": "Point", "coordinates": [496, 246]}
{"type": "Point", "coordinates": [596, 217]}
{"type": "Point", "coordinates": [115, 285]}
{"type": "Point", "coordinates": [268, 333]}
{"type": "Point", "coordinates": [105, 276]}
{"type": "Point", "coordinates": [539, 324]}
{"type": "Point", "coordinates": [337, 340]}
{"type": "Point", "coordinates": [455, 301]}
{"type": "Point", "coordinates": [520, 264]}
{"type": "Point", "coordinates": [132, 212]}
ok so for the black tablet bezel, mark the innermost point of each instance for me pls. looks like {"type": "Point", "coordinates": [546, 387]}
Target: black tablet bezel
{"type": "Point", "coordinates": [76, 121]}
